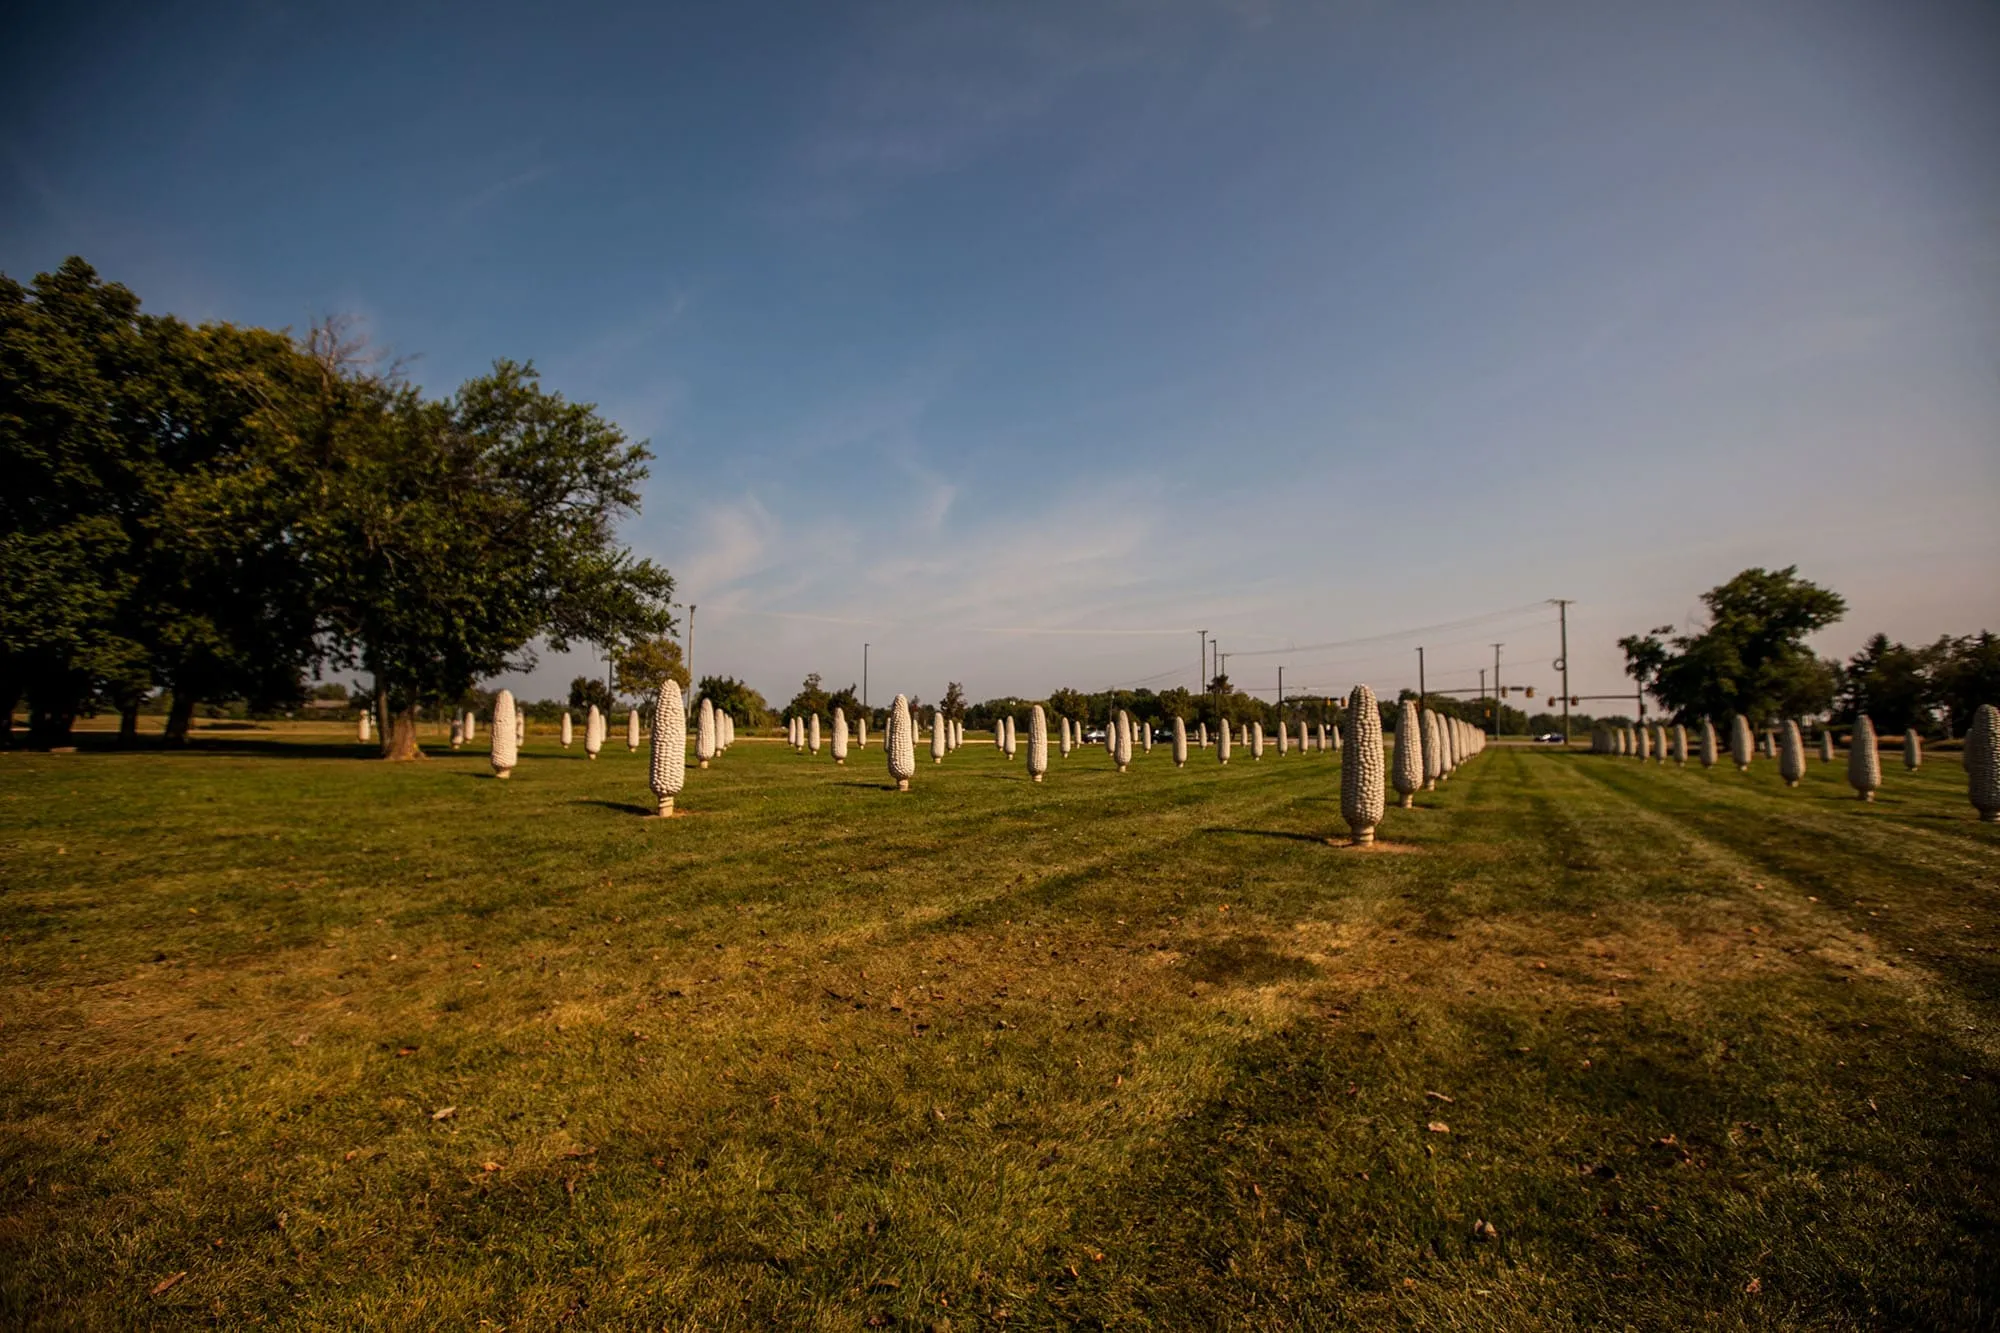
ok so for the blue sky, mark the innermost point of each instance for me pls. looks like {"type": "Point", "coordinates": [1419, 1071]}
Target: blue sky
{"type": "Point", "coordinates": [1022, 341]}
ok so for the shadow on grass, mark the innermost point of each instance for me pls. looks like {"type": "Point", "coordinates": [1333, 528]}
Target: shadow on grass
{"type": "Point", "coordinates": [1269, 833]}
{"type": "Point", "coordinates": [620, 807]}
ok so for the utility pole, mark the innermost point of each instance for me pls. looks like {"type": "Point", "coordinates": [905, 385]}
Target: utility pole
{"type": "Point", "coordinates": [864, 675]}
{"type": "Point", "coordinates": [1420, 678]}
{"type": "Point", "coordinates": [1482, 688]}
{"type": "Point", "coordinates": [1281, 694]}
{"type": "Point", "coordinates": [690, 661]}
{"type": "Point", "coordinates": [1499, 695]}
{"type": "Point", "coordinates": [1562, 662]}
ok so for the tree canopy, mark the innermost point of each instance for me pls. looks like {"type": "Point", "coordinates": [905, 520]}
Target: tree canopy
{"type": "Point", "coordinates": [214, 510]}
{"type": "Point", "coordinates": [1751, 658]}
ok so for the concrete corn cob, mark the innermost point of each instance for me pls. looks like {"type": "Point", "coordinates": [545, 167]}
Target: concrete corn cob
{"type": "Point", "coordinates": [1982, 763]}
{"type": "Point", "coordinates": [506, 747]}
{"type": "Point", "coordinates": [704, 733]}
{"type": "Point", "coordinates": [839, 735]}
{"type": "Point", "coordinates": [1362, 795]}
{"type": "Point", "coordinates": [593, 732]}
{"type": "Point", "coordinates": [900, 745]}
{"type": "Point", "coordinates": [1038, 743]}
{"type": "Point", "coordinates": [669, 769]}
{"type": "Point", "coordinates": [1409, 771]}
{"type": "Point", "coordinates": [1180, 742]}
{"type": "Point", "coordinates": [1864, 762]}
{"type": "Point", "coordinates": [1791, 754]}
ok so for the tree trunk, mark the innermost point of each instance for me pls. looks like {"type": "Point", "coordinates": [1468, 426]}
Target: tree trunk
{"type": "Point", "coordinates": [49, 726]}
{"type": "Point", "coordinates": [128, 724]}
{"type": "Point", "coordinates": [399, 738]}
{"type": "Point", "coordinates": [180, 715]}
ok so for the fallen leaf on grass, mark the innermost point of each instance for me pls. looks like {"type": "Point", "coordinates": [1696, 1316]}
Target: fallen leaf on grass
{"type": "Point", "coordinates": [1438, 1097]}
{"type": "Point", "coordinates": [444, 1113]}
{"type": "Point", "coordinates": [1753, 1286]}
{"type": "Point", "coordinates": [489, 1166]}
{"type": "Point", "coordinates": [1484, 1230]}
{"type": "Point", "coordinates": [166, 1285]}
{"type": "Point", "coordinates": [1438, 1127]}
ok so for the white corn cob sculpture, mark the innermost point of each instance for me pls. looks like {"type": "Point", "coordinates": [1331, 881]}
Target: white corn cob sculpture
{"type": "Point", "coordinates": [669, 745]}
{"type": "Point", "coordinates": [1913, 750]}
{"type": "Point", "coordinates": [1362, 793]}
{"type": "Point", "coordinates": [1433, 739]}
{"type": "Point", "coordinates": [506, 748]}
{"type": "Point", "coordinates": [1791, 754]}
{"type": "Point", "coordinates": [940, 738]}
{"type": "Point", "coordinates": [632, 730]}
{"type": "Point", "coordinates": [1680, 745]}
{"type": "Point", "coordinates": [1770, 743]}
{"type": "Point", "coordinates": [1257, 740]}
{"type": "Point", "coordinates": [1826, 745]}
{"type": "Point", "coordinates": [1711, 751]}
{"type": "Point", "coordinates": [861, 732]}
{"type": "Point", "coordinates": [900, 745]}
{"type": "Point", "coordinates": [1122, 738]}
{"type": "Point", "coordinates": [1180, 742]}
{"type": "Point", "coordinates": [1146, 734]}
{"type": "Point", "coordinates": [1982, 763]}
{"type": "Point", "coordinates": [1038, 743]}
{"type": "Point", "coordinates": [361, 729]}
{"type": "Point", "coordinates": [1009, 724]}
{"type": "Point", "coordinates": [457, 732]}
{"type": "Point", "coordinates": [1222, 740]}
{"type": "Point", "coordinates": [471, 727]}
{"type": "Point", "coordinates": [839, 735]}
{"type": "Point", "coordinates": [1864, 763]}
{"type": "Point", "coordinates": [1065, 736]}
{"type": "Point", "coordinates": [812, 733]}
{"type": "Point", "coordinates": [593, 732]}
{"type": "Point", "coordinates": [1740, 748]}
{"type": "Point", "coordinates": [1284, 739]}
{"type": "Point", "coordinates": [1201, 735]}
{"type": "Point", "coordinates": [1645, 744]}
{"type": "Point", "coordinates": [568, 732]}
{"type": "Point", "coordinates": [1334, 735]}
{"type": "Point", "coordinates": [520, 728]}
{"type": "Point", "coordinates": [704, 732]}
{"type": "Point", "coordinates": [1409, 773]}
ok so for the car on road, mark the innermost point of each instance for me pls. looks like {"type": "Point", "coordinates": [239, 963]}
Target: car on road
{"type": "Point", "coordinates": [1549, 738]}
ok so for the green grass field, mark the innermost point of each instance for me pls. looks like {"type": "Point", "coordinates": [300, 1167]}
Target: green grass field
{"type": "Point", "coordinates": [292, 1038]}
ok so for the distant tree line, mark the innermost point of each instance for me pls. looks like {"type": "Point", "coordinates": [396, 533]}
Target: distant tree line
{"type": "Point", "coordinates": [1751, 657]}
{"type": "Point", "coordinates": [221, 512]}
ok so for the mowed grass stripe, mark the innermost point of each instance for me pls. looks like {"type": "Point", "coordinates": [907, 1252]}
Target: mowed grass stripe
{"type": "Point", "coordinates": [1135, 1049]}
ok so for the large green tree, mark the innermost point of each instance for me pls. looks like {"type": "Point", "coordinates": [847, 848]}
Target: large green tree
{"type": "Point", "coordinates": [73, 483]}
{"type": "Point", "coordinates": [451, 535]}
{"type": "Point", "coordinates": [1751, 657]}
{"type": "Point", "coordinates": [1889, 682]}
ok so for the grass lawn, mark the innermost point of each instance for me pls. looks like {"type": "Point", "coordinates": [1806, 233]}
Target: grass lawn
{"type": "Point", "coordinates": [292, 1038]}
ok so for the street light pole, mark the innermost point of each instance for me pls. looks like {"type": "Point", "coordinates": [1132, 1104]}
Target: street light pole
{"type": "Point", "coordinates": [1499, 695]}
{"type": "Point", "coordinates": [1562, 663]}
{"type": "Point", "coordinates": [864, 675]}
{"type": "Point", "coordinates": [690, 662]}
{"type": "Point", "coordinates": [1420, 678]}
